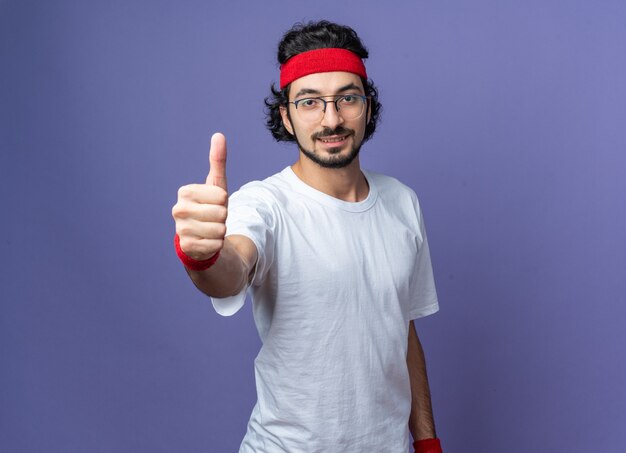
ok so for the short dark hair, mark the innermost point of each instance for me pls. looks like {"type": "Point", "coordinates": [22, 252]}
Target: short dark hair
{"type": "Point", "coordinates": [310, 36]}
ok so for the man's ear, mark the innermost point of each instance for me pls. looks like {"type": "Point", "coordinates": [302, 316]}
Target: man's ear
{"type": "Point", "coordinates": [369, 110]}
{"type": "Point", "coordinates": [286, 121]}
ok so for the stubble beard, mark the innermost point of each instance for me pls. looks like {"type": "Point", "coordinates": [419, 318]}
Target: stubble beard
{"type": "Point", "coordinates": [335, 158]}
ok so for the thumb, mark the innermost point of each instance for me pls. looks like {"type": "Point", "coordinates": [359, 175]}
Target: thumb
{"type": "Point", "coordinates": [217, 161]}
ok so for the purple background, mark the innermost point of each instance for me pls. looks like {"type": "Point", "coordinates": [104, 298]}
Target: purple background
{"type": "Point", "coordinates": [508, 119]}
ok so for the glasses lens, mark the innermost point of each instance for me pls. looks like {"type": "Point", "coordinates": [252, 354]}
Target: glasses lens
{"type": "Point", "coordinates": [311, 109]}
{"type": "Point", "coordinates": [350, 107]}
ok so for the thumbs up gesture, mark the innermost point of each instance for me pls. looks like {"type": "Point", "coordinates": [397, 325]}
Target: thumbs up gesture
{"type": "Point", "coordinates": [217, 161]}
{"type": "Point", "coordinates": [201, 209]}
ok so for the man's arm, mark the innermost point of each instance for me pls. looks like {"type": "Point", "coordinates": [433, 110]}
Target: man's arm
{"type": "Point", "coordinates": [200, 214]}
{"type": "Point", "coordinates": [232, 270]}
{"type": "Point", "coordinates": [421, 422]}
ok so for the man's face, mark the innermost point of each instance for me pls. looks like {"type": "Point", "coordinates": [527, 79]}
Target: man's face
{"type": "Point", "coordinates": [332, 141]}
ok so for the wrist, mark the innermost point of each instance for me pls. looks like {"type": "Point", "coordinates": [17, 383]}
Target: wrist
{"type": "Point", "coordinates": [427, 446]}
{"type": "Point", "coordinates": [189, 262]}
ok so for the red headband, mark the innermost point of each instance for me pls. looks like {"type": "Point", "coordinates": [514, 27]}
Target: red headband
{"type": "Point", "coordinates": [320, 60]}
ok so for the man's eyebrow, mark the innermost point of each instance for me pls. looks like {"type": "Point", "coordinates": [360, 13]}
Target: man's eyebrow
{"type": "Point", "coordinates": [348, 87]}
{"type": "Point", "coordinates": [307, 91]}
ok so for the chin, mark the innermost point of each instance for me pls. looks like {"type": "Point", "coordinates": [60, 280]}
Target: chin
{"type": "Point", "coordinates": [332, 151]}
{"type": "Point", "coordinates": [335, 160]}
{"type": "Point", "coordinates": [336, 157]}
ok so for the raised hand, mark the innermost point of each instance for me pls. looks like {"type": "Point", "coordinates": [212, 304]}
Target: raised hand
{"type": "Point", "coordinates": [201, 209]}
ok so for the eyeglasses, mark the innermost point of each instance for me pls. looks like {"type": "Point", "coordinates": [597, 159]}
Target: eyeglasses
{"type": "Point", "coordinates": [349, 106]}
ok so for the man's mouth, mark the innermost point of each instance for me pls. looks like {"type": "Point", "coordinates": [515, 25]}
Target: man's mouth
{"type": "Point", "coordinates": [333, 139]}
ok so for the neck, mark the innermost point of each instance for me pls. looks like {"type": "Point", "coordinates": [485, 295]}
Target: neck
{"type": "Point", "coordinates": [347, 183]}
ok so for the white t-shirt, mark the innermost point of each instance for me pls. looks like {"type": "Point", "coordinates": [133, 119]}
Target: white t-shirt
{"type": "Point", "coordinates": [335, 286]}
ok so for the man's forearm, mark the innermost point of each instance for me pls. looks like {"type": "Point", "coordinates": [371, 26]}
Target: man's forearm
{"type": "Point", "coordinates": [421, 423]}
{"type": "Point", "coordinates": [230, 273]}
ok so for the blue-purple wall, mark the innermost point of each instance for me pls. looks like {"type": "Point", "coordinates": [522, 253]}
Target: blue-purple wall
{"type": "Point", "coordinates": [508, 119]}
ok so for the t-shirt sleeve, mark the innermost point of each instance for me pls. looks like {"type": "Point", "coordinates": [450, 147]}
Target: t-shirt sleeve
{"type": "Point", "coordinates": [424, 301]}
{"type": "Point", "coordinates": [250, 215]}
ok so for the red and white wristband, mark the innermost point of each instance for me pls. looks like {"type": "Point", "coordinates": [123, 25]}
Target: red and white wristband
{"type": "Point", "coordinates": [189, 262]}
{"type": "Point", "coordinates": [427, 446]}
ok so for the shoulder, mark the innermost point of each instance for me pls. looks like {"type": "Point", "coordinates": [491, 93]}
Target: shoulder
{"type": "Point", "coordinates": [397, 198]}
{"type": "Point", "coordinates": [267, 193]}
{"type": "Point", "coordinates": [266, 187]}
{"type": "Point", "coordinates": [391, 188]}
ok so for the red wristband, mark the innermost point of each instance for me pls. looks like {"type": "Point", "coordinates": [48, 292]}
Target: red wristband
{"type": "Point", "coordinates": [427, 446]}
{"type": "Point", "coordinates": [189, 262]}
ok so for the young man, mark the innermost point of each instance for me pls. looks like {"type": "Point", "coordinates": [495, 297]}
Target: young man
{"type": "Point", "coordinates": [336, 259]}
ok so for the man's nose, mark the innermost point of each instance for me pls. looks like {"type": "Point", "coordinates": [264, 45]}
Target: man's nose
{"type": "Point", "coordinates": [331, 117]}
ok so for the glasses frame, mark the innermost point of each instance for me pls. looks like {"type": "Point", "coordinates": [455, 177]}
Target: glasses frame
{"type": "Point", "coordinates": [338, 97]}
